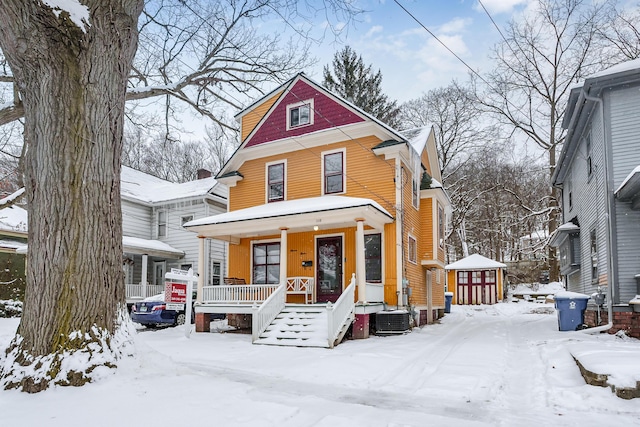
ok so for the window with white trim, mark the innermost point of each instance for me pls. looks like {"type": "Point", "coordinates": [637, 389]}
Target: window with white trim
{"type": "Point", "coordinates": [216, 273]}
{"type": "Point", "coordinates": [373, 257]}
{"type": "Point", "coordinates": [300, 114]}
{"type": "Point", "coordinates": [185, 219]}
{"type": "Point", "coordinates": [275, 182]}
{"type": "Point", "coordinates": [440, 226]}
{"type": "Point", "coordinates": [333, 171]}
{"type": "Point", "coordinates": [162, 224]}
{"type": "Point", "coordinates": [415, 191]}
{"type": "Point", "coordinates": [266, 263]}
{"type": "Point", "coordinates": [413, 249]}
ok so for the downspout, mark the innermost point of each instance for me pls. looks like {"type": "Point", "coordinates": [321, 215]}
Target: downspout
{"type": "Point", "coordinates": [612, 275]}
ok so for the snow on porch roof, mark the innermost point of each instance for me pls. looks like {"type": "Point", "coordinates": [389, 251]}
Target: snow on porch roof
{"type": "Point", "coordinates": [293, 214]}
{"type": "Point", "coordinates": [135, 245]}
{"type": "Point", "coordinates": [475, 262]}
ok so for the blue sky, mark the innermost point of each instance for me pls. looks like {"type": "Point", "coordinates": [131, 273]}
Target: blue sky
{"type": "Point", "coordinates": [411, 60]}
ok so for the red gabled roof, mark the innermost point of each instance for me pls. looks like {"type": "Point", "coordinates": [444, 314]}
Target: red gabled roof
{"type": "Point", "coordinates": [327, 113]}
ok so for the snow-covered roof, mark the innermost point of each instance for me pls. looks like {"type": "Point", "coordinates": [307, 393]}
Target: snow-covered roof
{"type": "Point", "coordinates": [12, 245]}
{"type": "Point", "coordinates": [12, 197]}
{"type": "Point", "coordinates": [629, 186]}
{"type": "Point", "coordinates": [475, 262]}
{"type": "Point", "coordinates": [289, 207]}
{"type": "Point", "coordinates": [14, 218]}
{"type": "Point", "coordinates": [417, 137]}
{"type": "Point", "coordinates": [325, 212]}
{"type": "Point", "coordinates": [150, 189]}
{"type": "Point", "coordinates": [536, 235]}
{"type": "Point", "coordinates": [568, 226]}
{"type": "Point", "coordinates": [136, 245]}
{"type": "Point", "coordinates": [618, 68]}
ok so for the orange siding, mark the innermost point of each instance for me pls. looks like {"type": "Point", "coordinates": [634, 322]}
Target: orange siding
{"type": "Point", "coordinates": [252, 117]}
{"type": "Point", "coordinates": [390, 279]}
{"type": "Point", "coordinates": [452, 285]}
{"type": "Point", "coordinates": [368, 175]}
{"type": "Point", "coordinates": [427, 230]}
{"type": "Point", "coordinates": [414, 272]}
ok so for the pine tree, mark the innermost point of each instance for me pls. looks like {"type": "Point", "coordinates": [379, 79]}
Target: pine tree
{"type": "Point", "coordinates": [359, 85]}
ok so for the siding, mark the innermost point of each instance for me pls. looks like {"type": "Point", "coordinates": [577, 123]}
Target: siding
{"type": "Point", "coordinates": [589, 206]}
{"type": "Point", "coordinates": [304, 175]}
{"type": "Point", "coordinates": [326, 113]}
{"type": "Point", "coordinates": [624, 110]}
{"type": "Point", "coordinates": [251, 118]}
{"type": "Point", "coordinates": [136, 220]}
{"type": "Point", "coordinates": [188, 241]}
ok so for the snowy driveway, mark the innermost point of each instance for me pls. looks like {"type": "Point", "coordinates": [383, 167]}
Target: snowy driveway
{"type": "Point", "coordinates": [502, 365]}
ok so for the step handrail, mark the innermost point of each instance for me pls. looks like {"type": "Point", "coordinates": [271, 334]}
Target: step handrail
{"type": "Point", "coordinates": [338, 313]}
{"type": "Point", "coordinates": [262, 316]}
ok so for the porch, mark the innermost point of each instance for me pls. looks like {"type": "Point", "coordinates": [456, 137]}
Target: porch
{"type": "Point", "coordinates": [141, 257]}
{"type": "Point", "coordinates": [274, 321]}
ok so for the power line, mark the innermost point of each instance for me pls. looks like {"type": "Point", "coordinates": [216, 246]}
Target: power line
{"type": "Point", "coordinates": [474, 72]}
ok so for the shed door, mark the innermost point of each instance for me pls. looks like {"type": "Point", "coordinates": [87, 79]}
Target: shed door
{"type": "Point", "coordinates": [477, 287]}
{"type": "Point", "coordinates": [329, 270]}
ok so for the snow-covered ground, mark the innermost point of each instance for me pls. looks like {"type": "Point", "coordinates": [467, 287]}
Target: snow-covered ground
{"type": "Point", "coordinates": [501, 365]}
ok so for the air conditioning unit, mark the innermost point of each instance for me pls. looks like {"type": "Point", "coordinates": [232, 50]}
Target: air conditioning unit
{"type": "Point", "coordinates": [392, 322]}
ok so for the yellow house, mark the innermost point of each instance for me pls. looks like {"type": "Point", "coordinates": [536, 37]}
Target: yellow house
{"type": "Point", "coordinates": [332, 207]}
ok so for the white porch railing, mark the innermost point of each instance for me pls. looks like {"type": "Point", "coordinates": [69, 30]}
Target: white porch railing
{"type": "Point", "coordinates": [262, 316]}
{"type": "Point", "coordinates": [237, 294]}
{"type": "Point", "coordinates": [301, 286]}
{"type": "Point", "coordinates": [134, 290]}
{"type": "Point", "coordinates": [338, 313]}
{"type": "Point", "coordinates": [375, 292]}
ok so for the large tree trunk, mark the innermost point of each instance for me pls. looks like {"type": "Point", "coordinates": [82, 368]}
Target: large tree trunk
{"type": "Point", "coordinates": [72, 84]}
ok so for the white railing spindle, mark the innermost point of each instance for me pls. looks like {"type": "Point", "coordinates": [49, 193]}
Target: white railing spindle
{"type": "Point", "coordinates": [338, 313]}
{"type": "Point", "coordinates": [262, 316]}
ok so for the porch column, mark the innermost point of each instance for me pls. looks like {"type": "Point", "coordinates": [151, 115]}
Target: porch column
{"type": "Point", "coordinates": [283, 254]}
{"type": "Point", "coordinates": [144, 275]}
{"type": "Point", "coordinates": [360, 261]}
{"type": "Point", "coordinates": [200, 268]}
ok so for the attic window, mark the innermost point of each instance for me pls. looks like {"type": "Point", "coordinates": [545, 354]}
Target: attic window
{"type": "Point", "coordinates": [300, 114]}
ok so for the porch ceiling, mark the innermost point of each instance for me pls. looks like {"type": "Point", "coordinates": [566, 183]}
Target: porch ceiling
{"type": "Point", "coordinates": [296, 215]}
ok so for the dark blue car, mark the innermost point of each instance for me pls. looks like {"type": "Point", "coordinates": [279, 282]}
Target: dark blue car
{"type": "Point", "coordinates": [153, 313]}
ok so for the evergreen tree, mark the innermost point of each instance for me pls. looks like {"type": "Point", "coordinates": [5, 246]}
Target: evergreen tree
{"type": "Point", "coordinates": [359, 85]}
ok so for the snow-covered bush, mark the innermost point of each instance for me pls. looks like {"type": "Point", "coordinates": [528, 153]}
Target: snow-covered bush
{"type": "Point", "coordinates": [10, 308]}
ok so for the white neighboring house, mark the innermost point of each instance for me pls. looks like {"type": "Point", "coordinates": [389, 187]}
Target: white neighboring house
{"type": "Point", "coordinates": [154, 241]}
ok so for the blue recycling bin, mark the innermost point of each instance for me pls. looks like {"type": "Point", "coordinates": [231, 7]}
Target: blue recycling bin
{"type": "Point", "coordinates": [571, 307]}
{"type": "Point", "coordinates": [448, 296]}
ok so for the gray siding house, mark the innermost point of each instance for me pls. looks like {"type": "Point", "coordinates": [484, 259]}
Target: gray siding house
{"type": "Point", "coordinates": [599, 175]}
{"type": "Point", "coordinates": [154, 241]}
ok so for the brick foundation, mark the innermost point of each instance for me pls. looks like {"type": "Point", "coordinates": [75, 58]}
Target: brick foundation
{"type": "Point", "coordinates": [203, 322]}
{"type": "Point", "coordinates": [360, 327]}
{"type": "Point", "coordinates": [422, 316]}
{"type": "Point", "coordinates": [627, 321]}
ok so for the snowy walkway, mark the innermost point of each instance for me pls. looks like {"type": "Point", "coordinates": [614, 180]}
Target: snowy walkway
{"type": "Point", "coordinates": [502, 365]}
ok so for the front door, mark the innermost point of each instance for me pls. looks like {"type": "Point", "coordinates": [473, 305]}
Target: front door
{"type": "Point", "coordinates": [329, 268]}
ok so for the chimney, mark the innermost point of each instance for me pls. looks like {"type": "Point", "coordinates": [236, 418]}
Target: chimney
{"type": "Point", "coordinates": [203, 173]}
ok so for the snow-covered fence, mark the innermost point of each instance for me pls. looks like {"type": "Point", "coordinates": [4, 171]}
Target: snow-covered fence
{"type": "Point", "coordinates": [237, 294]}
{"type": "Point", "coordinates": [262, 316]}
